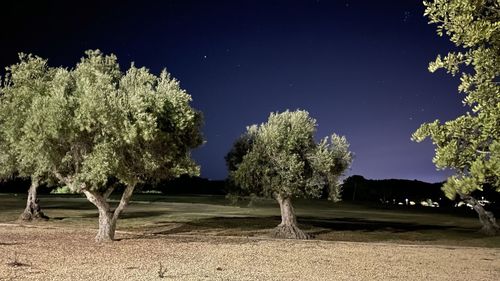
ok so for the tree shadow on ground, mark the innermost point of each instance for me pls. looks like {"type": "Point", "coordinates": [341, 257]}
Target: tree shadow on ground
{"type": "Point", "coordinates": [311, 224]}
{"type": "Point", "coordinates": [76, 206]}
{"type": "Point", "coordinates": [357, 224]}
{"type": "Point", "coordinates": [129, 215]}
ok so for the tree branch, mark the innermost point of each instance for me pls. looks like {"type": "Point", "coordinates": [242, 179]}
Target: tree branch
{"type": "Point", "coordinates": [96, 199]}
{"type": "Point", "coordinates": [61, 178]}
{"type": "Point", "coordinates": [108, 191]}
{"type": "Point", "coordinates": [124, 200]}
{"type": "Point", "coordinates": [91, 197]}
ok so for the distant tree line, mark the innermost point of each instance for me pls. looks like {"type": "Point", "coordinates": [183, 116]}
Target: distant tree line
{"type": "Point", "coordinates": [357, 188]}
{"type": "Point", "coordinates": [188, 185]}
{"type": "Point", "coordinates": [184, 185]}
{"type": "Point", "coordinates": [390, 191]}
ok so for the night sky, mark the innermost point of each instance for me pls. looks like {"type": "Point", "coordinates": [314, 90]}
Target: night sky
{"type": "Point", "coordinates": [358, 67]}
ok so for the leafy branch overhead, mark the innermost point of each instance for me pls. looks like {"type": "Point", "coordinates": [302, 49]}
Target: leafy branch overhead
{"type": "Point", "coordinates": [469, 144]}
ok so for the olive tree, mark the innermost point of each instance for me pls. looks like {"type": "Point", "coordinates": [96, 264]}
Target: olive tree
{"type": "Point", "coordinates": [24, 83]}
{"type": "Point", "coordinates": [469, 144]}
{"type": "Point", "coordinates": [280, 159]}
{"type": "Point", "coordinates": [98, 125]}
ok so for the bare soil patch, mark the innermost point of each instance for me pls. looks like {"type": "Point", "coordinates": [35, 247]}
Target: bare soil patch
{"type": "Point", "coordinates": [71, 254]}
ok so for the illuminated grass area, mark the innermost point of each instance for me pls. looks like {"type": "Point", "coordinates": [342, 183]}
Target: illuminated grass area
{"type": "Point", "coordinates": [214, 215]}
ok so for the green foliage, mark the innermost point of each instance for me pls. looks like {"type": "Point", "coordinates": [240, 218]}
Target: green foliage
{"type": "Point", "coordinates": [25, 86]}
{"type": "Point", "coordinates": [62, 190]}
{"type": "Point", "coordinates": [92, 123]}
{"type": "Point", "coordinates": [469, 144]}
{"type": "Point", "coordinates": [240, 148]}
{"type": "Point", "coordinates": [7, 159]}
{"type": "Point", "coordinates": [281, 157]}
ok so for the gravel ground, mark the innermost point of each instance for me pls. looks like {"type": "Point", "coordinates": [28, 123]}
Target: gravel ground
{"type": "Point", "coordinates": [32, 253]}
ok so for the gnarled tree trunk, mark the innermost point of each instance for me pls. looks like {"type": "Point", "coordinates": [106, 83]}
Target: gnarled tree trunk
{"type": "Point", "coordinates": [107, 225]}
{"type": "Point", "coordinates": [107, 217]}
{"type": "Point", "coordinates": [487, 219]}
{"type": "Point", "coordinates": [33, 210]}
{"type": "Point", "coordinates": [288, 227]}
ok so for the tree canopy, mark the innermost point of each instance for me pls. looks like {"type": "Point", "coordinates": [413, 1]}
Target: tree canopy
{"type": "Point", "coordinates": [469, 144]}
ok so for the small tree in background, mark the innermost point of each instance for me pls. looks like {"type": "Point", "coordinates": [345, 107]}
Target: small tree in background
{"type": "Point", "coordinates": [280, 159]}
{"type": "Point", "coordinates": [29, 80]}
{"type": "Point", "coordinates": [96, 125]}
{"type": "Point", "coordinates": [470, 144]}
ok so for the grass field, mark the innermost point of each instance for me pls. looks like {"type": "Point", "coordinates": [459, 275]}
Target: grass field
{"type": "Point", "coordinates": [213, 215]}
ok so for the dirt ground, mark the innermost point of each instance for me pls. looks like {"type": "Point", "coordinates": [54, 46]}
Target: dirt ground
{"type": "Point", "coordinates": [34, 253]}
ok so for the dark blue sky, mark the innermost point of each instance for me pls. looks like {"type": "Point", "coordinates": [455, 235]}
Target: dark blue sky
{"type": "Point", "coordinates": [358, 67]}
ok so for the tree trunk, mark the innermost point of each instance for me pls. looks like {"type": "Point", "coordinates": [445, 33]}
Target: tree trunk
{"type": "Point", "coordinates": [107, 217]}
{"type": "Point", "coordinates": [33, 210]}
{"type": "Point", "coordinates": [487, 219]}
{"type": "Point", "coordinates": [288, 227]}
{"type": "Point", "coordinates": [107, 225]}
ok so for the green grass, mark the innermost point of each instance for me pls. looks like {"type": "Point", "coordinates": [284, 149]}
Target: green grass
{"type": "Point", "coordinates": [213, 215]}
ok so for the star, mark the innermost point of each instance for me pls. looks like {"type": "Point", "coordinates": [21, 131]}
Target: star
{"type": "Point", "coordinates": [406, 16]}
